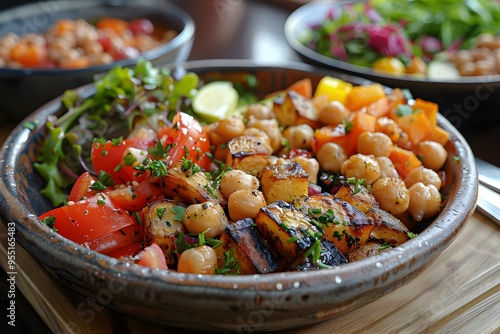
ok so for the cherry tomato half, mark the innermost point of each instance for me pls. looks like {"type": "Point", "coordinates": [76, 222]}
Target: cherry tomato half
{"type": "Point", "coordinates": [186, 136]}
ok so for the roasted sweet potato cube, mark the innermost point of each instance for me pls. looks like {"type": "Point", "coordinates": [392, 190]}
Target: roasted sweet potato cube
{"type": "Point", "coordinates": [330, 256]}
{"type": "Point", "coordinates": [161, 225]}
{"type": "Point", "coordinates": [286, 229]}
{"type": "Point", "coordinates": [248, 154]}
{"type": "Point", "coordinates": [342, 223]}
{"type": "Point", "coordinates": [248, 238]}
{"type": "Point", "coordinates": [357, 195]}
{"type": "Point", "coordinates": [190, 187]}
{"type": "Point", "coordinates": [387, 228]}
{"type": "Point", "coordinates": [284, 182]}
{"type": "Point", "coordinates": [294, 109]}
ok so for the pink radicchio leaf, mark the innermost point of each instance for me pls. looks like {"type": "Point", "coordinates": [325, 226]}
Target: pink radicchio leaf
{"type": "Point", "coordinates": [337, 49]}
{"type": "Point", "coordinates": [387, 40]}
{"type": "Point", "coordinates": [372, 14]}
{"type": "Point", "coordinates": [429, 44]}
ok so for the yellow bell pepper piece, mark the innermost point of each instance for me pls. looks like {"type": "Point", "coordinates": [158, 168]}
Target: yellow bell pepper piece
{"type": "Point", "coordinates": [336, 89]}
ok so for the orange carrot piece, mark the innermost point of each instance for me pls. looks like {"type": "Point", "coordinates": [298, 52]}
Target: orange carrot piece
{"type": "Point", "coordinates": [429, 108]}
{"type": "Point", "coordinates": [379, 108]}
{"type": "Point", "coordinates": [439, 135]}
{"type": "Point", "coordinates": [328, 134]}
{"type": "Point", "coordinates": [303, 87]}
{"type": "Point", "coordinates": [404, 161]}
{"type": "Point", "coordinates": [118, 25]}
{"type": "Point", "coordinates": [360, 123]}
{"type": "Point", "coordinates": [362, 96]}
{"type": "Point", "coordinates": [417, 126]}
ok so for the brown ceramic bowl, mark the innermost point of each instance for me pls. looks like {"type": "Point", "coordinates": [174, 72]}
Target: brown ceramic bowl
{"type": "Point", "coordinates": [216, 303]}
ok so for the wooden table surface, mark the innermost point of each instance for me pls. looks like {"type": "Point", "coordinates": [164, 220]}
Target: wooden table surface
{"type": "Point", "coordinates": [458, 293]}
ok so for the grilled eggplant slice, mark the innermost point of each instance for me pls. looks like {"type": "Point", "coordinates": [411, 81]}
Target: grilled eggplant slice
{"type": "Point", "coordinates": [162, 227]}
{"type": "Point", "coordinates": [286, 229]}
{"type": "Point", "coordinates": [371, 248]}
{"type": "Point", "coordinates": [357, 195]}
{"type": "Point", "coordinates": [294, 109]}
{"type": "Point", "coordinates": [330, 256]}
{"type": "Point", "coordinates": [249, 154]}
{"type": "Point", "coordinates": [284, 182]}
{"type": "Point", "coordinates": [387, 229]}
{"type": "Point", "coordinates": [190, 187]}
{"type": "Point", "coordinates": [247, 237]}
{"type": "Point", "coordinates": [245, 265]}
{"type": "Point", "coordinates": [342, 223]}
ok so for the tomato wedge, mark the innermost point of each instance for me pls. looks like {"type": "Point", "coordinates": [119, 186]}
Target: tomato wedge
{"type": "Point", "coordinates": [82, 188]}
{"type": "Point", "coordinates": [85, 221]}
{"type": "Point", "coordinates": [110, 158]}
{"type": "Point", "coordinates": [135, 198]}
{"type": "Point", "coordinates": [186, 136]}
{"type": "Point", "coordinates": [153, 257]}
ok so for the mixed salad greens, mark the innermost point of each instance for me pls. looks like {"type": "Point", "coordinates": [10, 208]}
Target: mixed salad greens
{"type": "Point", "coordinates": [364, 33]}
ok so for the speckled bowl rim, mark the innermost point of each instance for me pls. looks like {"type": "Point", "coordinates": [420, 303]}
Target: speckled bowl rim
{"type": "Point", "coordinates": [385, 272]}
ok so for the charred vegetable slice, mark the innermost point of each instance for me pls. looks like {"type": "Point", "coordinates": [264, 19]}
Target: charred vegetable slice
{"type": "Point", "coordinates": [190, 185]}
{"type": "Point", "coordinates": [287, 229]}
{"type": "Point", "coordinates": [249, 240]}
{"type": "Point", "coordinates": [248, 153]}
{"type": "Point", "coordinates": [342, 223]}
{"type": "Point", "coordinates": [387, 229]}
{"type": "Point", "coordinates": [329, 256]}
{"type": "Point", "coordinates": [162, 223]}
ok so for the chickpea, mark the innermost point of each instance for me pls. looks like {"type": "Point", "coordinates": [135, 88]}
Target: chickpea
{"type": "Point", "coordinates": [259, 111]}
{"type": "Point", "coordinates": [208, 216]}
{"type": "Point", "coordinates": [485, 40]}
{"type": "Point", "coordinates": [198, 260]}
{"type": "Point", "coordinates": [235, 179]}
{"type": "Point", "coordinates": [425, 201]}
{"type": "Point", "coordinates": [229, 128]}
{"type": "Point", "coordinates": [310, 166]}
{"type": "Point", "coordinates": [467, 68]}
{"type": "Point", "coordinates": [361, 166]}
{"type": "Point", "coordinates": [389, 127]}
{"type": "Point", "coordinates": [330, 157]}
{"type": "Point", "coordinates": [432, 154]}
{"type": "Point", "coordinates": [245, 203]}
{"type": "Point", "coordinates": [462, 57]}
{"type": "Point", "coordinates": [299, 136]}
{"type": "Point", "coordinates": [392, 195]}
{"type": "Point", "coordinates": [271, 127]}
{"type": "Point", "coordinates": [425, 175]}
{"type": "Point", "coordinates": [262, 136]}
{"type": "Point", "coordinates": [375, 143]}
{"type": "Point", "coordinates": [333, 113]}
{"type": "Point", "coordinates": [387, 168]}
{"type": "Point", "coordinates": [485, 67]}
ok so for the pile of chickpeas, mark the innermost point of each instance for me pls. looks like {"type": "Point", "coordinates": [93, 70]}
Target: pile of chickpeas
{"type": "Point", "coordinates": [482, 59]}
{"type": "Point", "coordinates": [72, 44]}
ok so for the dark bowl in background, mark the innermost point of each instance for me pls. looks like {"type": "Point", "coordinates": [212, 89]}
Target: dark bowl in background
{"type": "Point", "coordinates": [465, 102]}
{"type": "Point", "coordinates": [24, 90]}
{"type": "Point", "coordinates": [247, 303]}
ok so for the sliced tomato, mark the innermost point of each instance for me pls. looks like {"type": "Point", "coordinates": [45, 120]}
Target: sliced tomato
{"type": "Point", "coordinates": [127, 252]}
{"type": "Point", "coordinates": [85, 221]}
{"type": "Point", "coordinates": [186, 136]}
{"type": "Point", "coordinates": [153, 257]}
{"type": "Point", "coordinates": [135, 198]}
{"type": "Point", "coordinates": [109, 157]}
{"type": "Point", "coordinates": [82, 188]}
{"type": "Point", "coordinates": [117, 240]}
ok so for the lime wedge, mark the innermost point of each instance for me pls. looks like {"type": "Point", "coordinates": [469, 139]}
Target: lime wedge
{"type": "Point", "coordinates": [215, 101]}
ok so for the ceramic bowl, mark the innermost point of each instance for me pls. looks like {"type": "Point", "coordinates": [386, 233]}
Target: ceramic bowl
{"type": "Point", "coordinates": [24, 90]}
{"type": "Point", "coordinates": [465, 102]}
{"type": "Point", "coordinates": [249, 303]}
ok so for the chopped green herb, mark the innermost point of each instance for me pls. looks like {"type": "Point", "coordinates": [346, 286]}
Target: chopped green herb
{"type": "Point", "coordinates": [160, 212]}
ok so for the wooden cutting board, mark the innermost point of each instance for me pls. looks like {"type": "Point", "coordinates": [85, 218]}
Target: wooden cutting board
{"type": "Point", "coordinates": [458, 293]}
